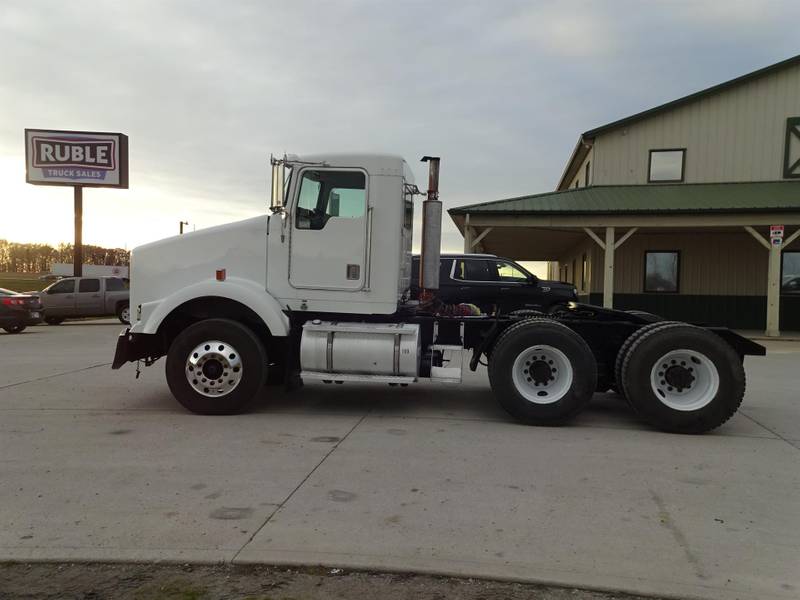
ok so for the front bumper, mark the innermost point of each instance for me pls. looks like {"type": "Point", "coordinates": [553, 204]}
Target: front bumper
{"type": "Point", "coordinates": [137, 346]}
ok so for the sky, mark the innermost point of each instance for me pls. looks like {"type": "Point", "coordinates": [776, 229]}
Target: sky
{"type": "Point", "coordinates": [206, 90]}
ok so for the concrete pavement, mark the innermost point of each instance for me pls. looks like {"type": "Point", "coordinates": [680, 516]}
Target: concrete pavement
{"type": "Point", "coordinates": [95, 465]}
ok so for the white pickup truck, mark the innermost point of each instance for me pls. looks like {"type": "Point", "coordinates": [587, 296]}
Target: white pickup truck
{"type": "Point", "coordinates": [319, 290]}
{"type": "Point", "coordinates": [74, 297]}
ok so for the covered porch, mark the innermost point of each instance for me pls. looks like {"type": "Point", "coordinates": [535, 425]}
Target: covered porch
{"type": "Point", "coordinates": [600, 236]}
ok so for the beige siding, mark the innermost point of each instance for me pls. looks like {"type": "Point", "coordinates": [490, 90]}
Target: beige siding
{"type": "Point", "coordinates": [580, 176]}
{"type": "Point", "coordinates": [736, 135]}
{"type": "Point", "coordinates": [729, 264]}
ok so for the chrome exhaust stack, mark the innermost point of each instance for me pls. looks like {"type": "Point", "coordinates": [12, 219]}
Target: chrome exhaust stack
{"type": "Point", "coordinates": [431, 234]}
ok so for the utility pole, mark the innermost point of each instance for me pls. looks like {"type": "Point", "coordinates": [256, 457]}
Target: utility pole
{"type": "Point", "coordinates": [182, 224]}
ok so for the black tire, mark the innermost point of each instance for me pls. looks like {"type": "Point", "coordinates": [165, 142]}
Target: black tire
{"type": "Point", "coordinates": [626, 346]}
{"type": "Point", "coordinates": [54, 320]}
{"type": "Point", "coordinates": [522, 337]}
{"type": "Point", "coordinates": [251, 353]}
{"type": "Point", "coordinates": [122, 310]}
{"type": "Point", "coordinates": [15, 328]}
{"type": "Point", "coordinates": [723, 400]}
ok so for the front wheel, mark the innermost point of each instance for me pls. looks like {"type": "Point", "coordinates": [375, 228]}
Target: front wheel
{"type": "Point", "coordinates": [542, 372]}
{"type": "Point", "coordinates": [15, 328]}
{"type": "Point", "coordinates": [216, 367]}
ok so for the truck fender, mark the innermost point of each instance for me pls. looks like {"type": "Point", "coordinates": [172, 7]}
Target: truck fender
{"type": "Point", "coordinates": [241, 290]}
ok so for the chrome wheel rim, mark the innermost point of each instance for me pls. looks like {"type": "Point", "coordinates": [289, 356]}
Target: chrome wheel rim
{"type": "Point", "coordinates": [214, 368]}
{"type": "Point", "coordinates": [684, 380]}
{"type": "Point", "coordinates": [542, 374]}
{"type": "Point", "coordinates": [126, 314]}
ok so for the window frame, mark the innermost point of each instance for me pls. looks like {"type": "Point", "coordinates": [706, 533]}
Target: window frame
{"type": "Point", "coordinates": [791, 171]}
{"type": "Point", "coordinates": [584, 265]}
{"type": "Point", "coordinates": [86, 280]}
{"type": "Point", "coordinates": [63, 281]}
{"type": "Point", "coordinates": [781, 290]}
{"type": "Point", "coordinates": [465, 259]}
{"type": "Point", "coordinates": [299, 184]}
{"type": "Point", "coordinates": [677, 254]}
{"type": "Point", "coordinates": [650, 165]}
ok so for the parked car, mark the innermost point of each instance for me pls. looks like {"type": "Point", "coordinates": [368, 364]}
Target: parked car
{"type": "Point", "coordinates": [17, 311]}
{"type": "Point", "coordinates": [73, 297]}
{"type": "Point", "coordinates": [492, 282]}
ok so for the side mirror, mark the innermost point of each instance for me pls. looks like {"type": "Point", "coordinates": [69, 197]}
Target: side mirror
{"type": "Point", "coordinates": [278, 184]}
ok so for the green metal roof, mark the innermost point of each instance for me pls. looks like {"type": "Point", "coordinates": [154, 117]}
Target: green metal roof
{"type": "Point", "coordinates": [767, 196]}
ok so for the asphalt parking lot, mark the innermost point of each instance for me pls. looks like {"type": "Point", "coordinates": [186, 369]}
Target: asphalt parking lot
{"type": "Point", "coordinates": [97, 465]}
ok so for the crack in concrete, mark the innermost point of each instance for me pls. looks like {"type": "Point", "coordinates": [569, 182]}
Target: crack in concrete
{"type": "Point", "coordinates": [299, 485]}
{"type": "Point", "coordinates": [772, 431]}
{"type": "Point", "coordinates": [46, 377]}
{"type": "Point", "coordinates": [669, 523]}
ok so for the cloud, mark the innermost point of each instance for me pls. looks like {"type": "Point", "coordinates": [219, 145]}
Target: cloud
{"type": "Point", "coordinates": [206, 90]}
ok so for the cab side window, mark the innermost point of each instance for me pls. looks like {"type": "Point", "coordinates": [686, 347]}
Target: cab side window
{"type": "Point", "coordinates": [472, 269]}
{"type": "Point", "coordinates": [330, 194]}
{"type": "Point", "coordinates": [115, 284]}
{"type": "Point", "coordinates": [67, 286]}
{"type": "Point", "coordinates": [88, 285]}
{"type": "Point", "coordinates": [509, 273]}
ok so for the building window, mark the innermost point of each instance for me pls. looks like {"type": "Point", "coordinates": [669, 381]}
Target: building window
{"type": "Point", "coordinates": [790, 273]}
{"type": "Point", "coordinates": [791, 156]}
{"type": "Point", "coordinates": [574, 273]}
{"type": "Point", "coordinates": [586, 174]}
{"type": "Point", "coordinates": [661, 271]}
{"type": "Point", "coordinates": [666, 165]}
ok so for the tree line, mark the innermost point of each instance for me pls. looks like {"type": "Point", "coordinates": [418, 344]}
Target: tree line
{"type": "Point", "coordinates": [39, 258]}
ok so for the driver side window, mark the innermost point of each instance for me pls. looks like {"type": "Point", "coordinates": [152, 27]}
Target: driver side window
{"type": "Point", "coordinates": [328, 194]}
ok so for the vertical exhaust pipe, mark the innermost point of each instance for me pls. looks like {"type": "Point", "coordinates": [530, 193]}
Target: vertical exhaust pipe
{"type": "Point", "coordinates": [431, 234]}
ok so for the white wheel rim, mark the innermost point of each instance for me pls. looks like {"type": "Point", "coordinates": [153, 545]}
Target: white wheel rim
{"type": "Point", "coordinates": [684, 380]}
{"type": "Point", "coordinates": [214, 368]}
{"type": "Point", "coordinates": [126, 313]}
{"type": "Point", "coordinates": [542, 374]}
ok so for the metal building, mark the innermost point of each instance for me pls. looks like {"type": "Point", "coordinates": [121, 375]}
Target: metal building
{"type": "Point", "coordinates": [690, 209]}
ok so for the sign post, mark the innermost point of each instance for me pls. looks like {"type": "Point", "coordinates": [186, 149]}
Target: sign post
{"type": "Point", "coordinates": [78, 159]}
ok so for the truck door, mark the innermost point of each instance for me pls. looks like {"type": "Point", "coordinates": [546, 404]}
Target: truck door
{"type": "Point", "coordinates": [328, 240]}
{"type": "Point", "coordinates": [89, 301]}
{"type": "Point", "coordinates": [59, 299]}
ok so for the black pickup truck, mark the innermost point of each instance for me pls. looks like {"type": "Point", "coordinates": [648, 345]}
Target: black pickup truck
{"type": "Point", "coordinates": [493, 283]}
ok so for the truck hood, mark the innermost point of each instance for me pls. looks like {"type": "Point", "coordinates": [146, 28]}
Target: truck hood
{"type": "Point", "coordinates": [160, 268]}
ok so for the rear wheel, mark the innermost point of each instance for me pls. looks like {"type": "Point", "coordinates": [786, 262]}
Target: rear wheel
{"type": "Point", "coordinates": [216, 367]}
{"type": "Point", "coordinates": [683, 379]}
{"type": "Point", "coordinates": [626, 346]}
{"type": "Point", "coordinates": [15, 328]}
{"type": "Point", "coordinates": [542, 372]}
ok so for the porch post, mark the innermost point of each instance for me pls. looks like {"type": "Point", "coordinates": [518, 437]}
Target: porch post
{"type": "Point", "coordinates": [608, 272]}
{"type": "Point", "coordinates": [774, 292]}
{"type": "Point", "coordinates": [467, 235]}
{"type": "Point", "coordinates": [773, 282]}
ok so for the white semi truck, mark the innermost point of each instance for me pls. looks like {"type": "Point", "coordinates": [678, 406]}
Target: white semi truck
{"type": "Point", "coordinates": [318, 289]}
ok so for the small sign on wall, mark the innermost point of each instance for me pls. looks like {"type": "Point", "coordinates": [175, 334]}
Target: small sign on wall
{"type": "Point", "coordinates": [76, 158]}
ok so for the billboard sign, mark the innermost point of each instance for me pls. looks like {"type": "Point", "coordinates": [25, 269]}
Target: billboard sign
{"type": "Point", "coordinates": [76, 158]}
